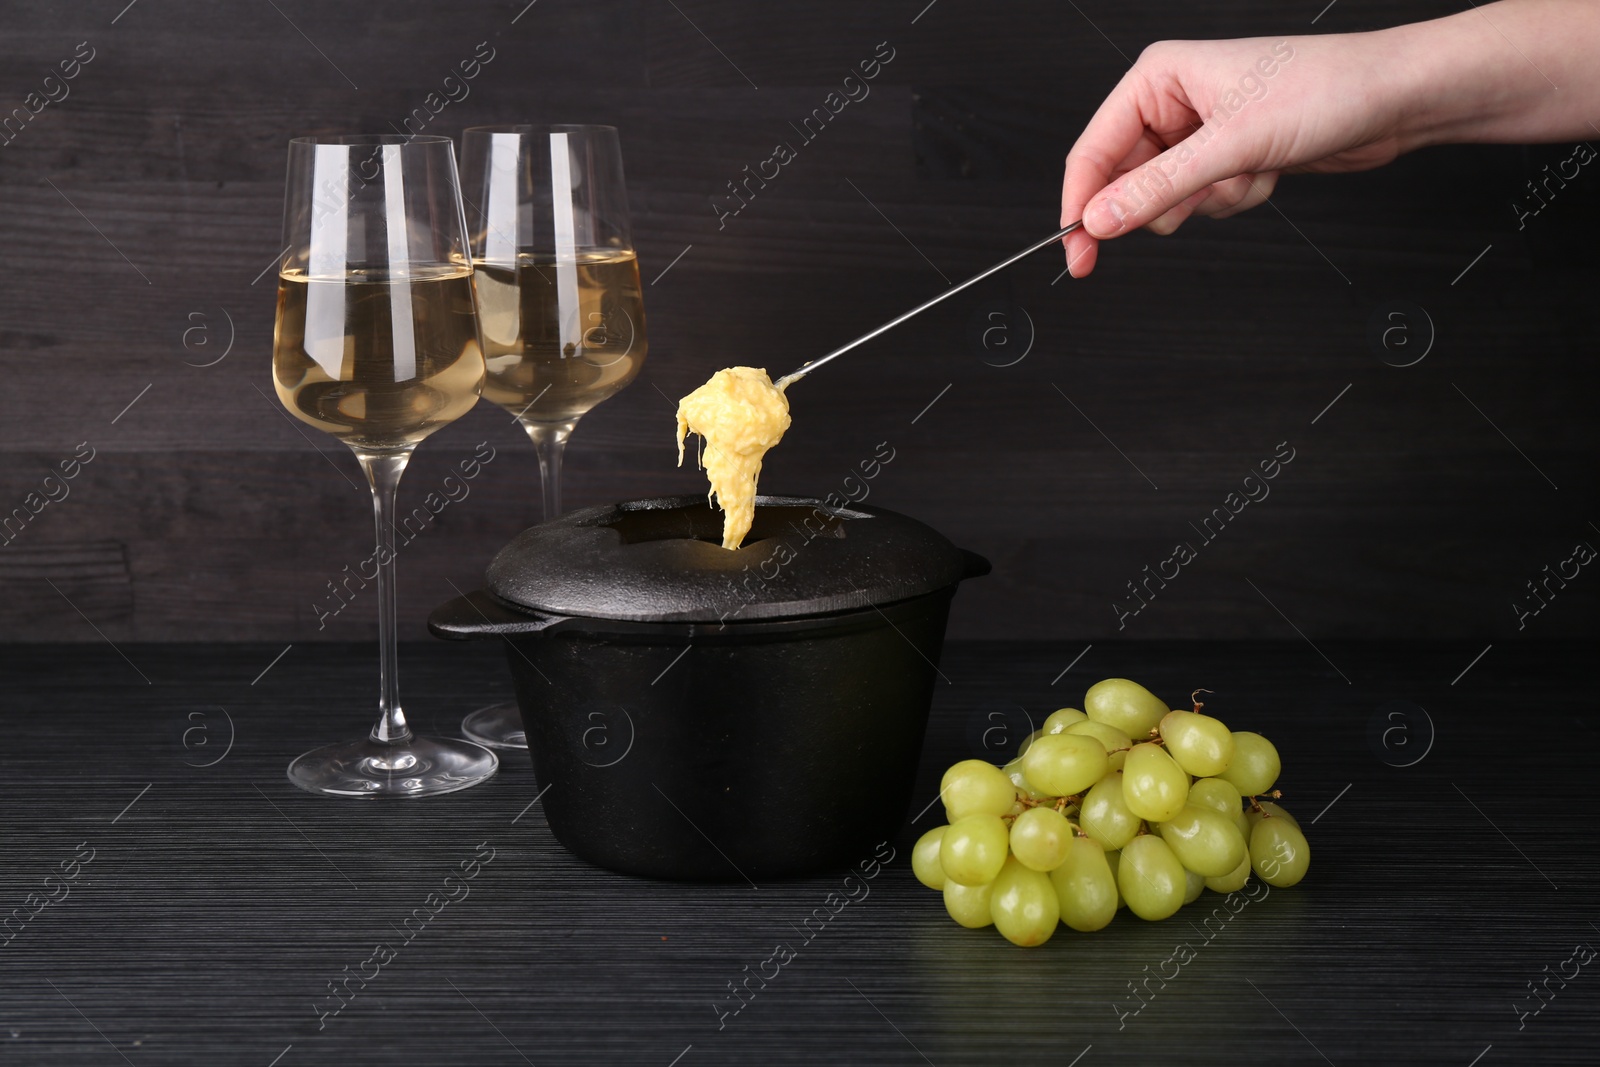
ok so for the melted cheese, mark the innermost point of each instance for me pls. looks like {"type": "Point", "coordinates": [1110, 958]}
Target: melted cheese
{"type": "Point", "coordinates": [741, 415]}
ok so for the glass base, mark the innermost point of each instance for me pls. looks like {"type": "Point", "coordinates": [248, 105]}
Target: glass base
{"type": "Point", "coordinates": [420, 767]}
{"type": "Point", "coordinates": [498, 726]}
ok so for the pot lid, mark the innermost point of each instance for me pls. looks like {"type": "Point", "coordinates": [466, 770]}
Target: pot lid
{"type": "Point", "coordinates": [662, 560]}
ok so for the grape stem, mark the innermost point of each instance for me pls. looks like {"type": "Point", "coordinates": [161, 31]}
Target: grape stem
{"type": "Point", "coordinates": [1255, 802]}
{"type": "Point", "coordinates": [1064, 805]}
{"type": "Point", "coordinates": [1195, 696]}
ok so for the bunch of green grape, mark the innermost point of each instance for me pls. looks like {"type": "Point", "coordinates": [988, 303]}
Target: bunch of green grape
{"type": "Point", "coordinates": [1122, 804]}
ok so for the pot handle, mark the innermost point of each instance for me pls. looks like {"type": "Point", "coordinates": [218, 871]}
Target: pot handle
{"type": "Point", "coordinates": [480, 615]}
{"type": "Point", "coordinates": [977, 566]}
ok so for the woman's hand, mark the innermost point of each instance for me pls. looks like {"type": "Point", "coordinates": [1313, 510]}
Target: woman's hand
{"type": "Point", "coordinates": [1206, 127]}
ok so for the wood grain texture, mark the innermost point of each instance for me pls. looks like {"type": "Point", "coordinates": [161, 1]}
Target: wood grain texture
{"type": "Point", "coordinates": [220, 901]}
{"type": "Point", "coordinates": [1421, 503]}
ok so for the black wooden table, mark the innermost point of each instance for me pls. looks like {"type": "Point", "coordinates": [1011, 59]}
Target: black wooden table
{"type": "Point", "coordinates": [189, 906]}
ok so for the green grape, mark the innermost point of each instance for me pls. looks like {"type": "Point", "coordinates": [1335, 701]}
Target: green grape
{"type": "Point", "coordinates": [1128, 706]}
{"type": "Point", "coordinates": [1242, 823]}
{"type": "Point", "coordinates": [1065, 764]}
{"type": "Point", "coordinates": [1193, 886]}
{"type": "Point", "coordinates": [1114, 860]}
{"type": "Point", "coordinates": [973, 787]}
{"type": "Point", "coordinates": [1019, 781]}
{"type": "Point", "coordinates": [1104, 814]}
{"type": "Point", "coordinates": [1215, 794]}
{"type": "Point", "coordinates": [1218, 794]}
{"type": "Point", "coordinates": [1085, 886]}
{"type": "Point", "coordinates": [1012, 769]}
{"type": "Point", "coordinates": [1116, 742]}
{"type": "Point", "coordinates": [1279, 852]}
{"type": "Point", "coordinates": [925, 858]}
{"type": "Point", "coordinates": [1154, 786]}
{"type": "Point", "coordinates": [973, 849]}
{"type": "Point", "coordinates": [1268, 807]}
{"type": "Point", "coordinates": [1230, 883]}
{"type": "Point", "coordinates": [1255, 764]}
{"type": "Point", "coordinates": [1062, 718]}
{"type": "Point", "coordinates": [1024, 905]}
{"type": "Point", "coordinates": [969, 904]}
{"type": "Point", "coordinates": [1205, 841]}
{"type": "Point", "coordinates": [1039, 838]}
{"type": "Point", "coordinates": [1200, 744]}
{"type": "Point", "coordinates": [1150, 878]}
{"type": "Point", "coordinates": [1027, 742]}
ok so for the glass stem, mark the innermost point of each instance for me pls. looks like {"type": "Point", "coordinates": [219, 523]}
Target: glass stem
{"type": "Point", "coordinates": [383, 470]}
{"type": "Point", "coordinates": [550, 442]}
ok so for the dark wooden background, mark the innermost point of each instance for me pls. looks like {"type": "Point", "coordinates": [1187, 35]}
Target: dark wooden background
{"type": "Point", "coordinates": [140, 211]}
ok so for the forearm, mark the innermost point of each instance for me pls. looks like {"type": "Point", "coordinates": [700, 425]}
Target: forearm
{"type": "Point", "coordinates": [1519, 71]}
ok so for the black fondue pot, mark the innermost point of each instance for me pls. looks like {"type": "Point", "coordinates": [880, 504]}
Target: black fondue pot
{"type": "Point", "coordinates": [704, 714]}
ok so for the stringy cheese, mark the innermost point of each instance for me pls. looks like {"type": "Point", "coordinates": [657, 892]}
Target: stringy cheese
{"type": "Point", "coordinates": [741, 415]}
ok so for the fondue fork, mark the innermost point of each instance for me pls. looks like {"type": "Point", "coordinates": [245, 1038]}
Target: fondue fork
{"type": "Point", "coordinates": [794, 376]}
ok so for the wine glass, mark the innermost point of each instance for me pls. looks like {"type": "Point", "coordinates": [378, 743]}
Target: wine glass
{"type": "Point", "coordinates": [377, 344]}
{"type": "Point", "coordinates": [559, 299]}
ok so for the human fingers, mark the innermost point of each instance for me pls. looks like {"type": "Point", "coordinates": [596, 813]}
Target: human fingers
{"type": "Point", "coordinates": [1150, 191]}
{"type": "Point", "coordinates": [1234, 195]}
{"type": "Point", "coordinates": [1115, 139]}
{"type": "Point", "coordinates": [1082, 249]}
{"type": "Point", "coordinates": [1169, 221]}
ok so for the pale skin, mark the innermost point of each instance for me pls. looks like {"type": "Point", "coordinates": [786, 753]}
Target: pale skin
{"type": "Point", "coordinates": [1207, 127]}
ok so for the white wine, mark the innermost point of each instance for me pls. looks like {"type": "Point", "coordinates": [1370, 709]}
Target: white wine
{"type": "Point", "coordinates": [560, 336]}
{"type": "Point", "coordinates": [378, 361]}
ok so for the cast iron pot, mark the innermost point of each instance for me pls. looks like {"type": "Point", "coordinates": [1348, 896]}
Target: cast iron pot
{"type": "Point", "coordinates": [697, 713]}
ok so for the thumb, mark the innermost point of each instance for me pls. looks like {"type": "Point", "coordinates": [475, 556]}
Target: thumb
{"type": "Point", "coordinates": [1149, 191]}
